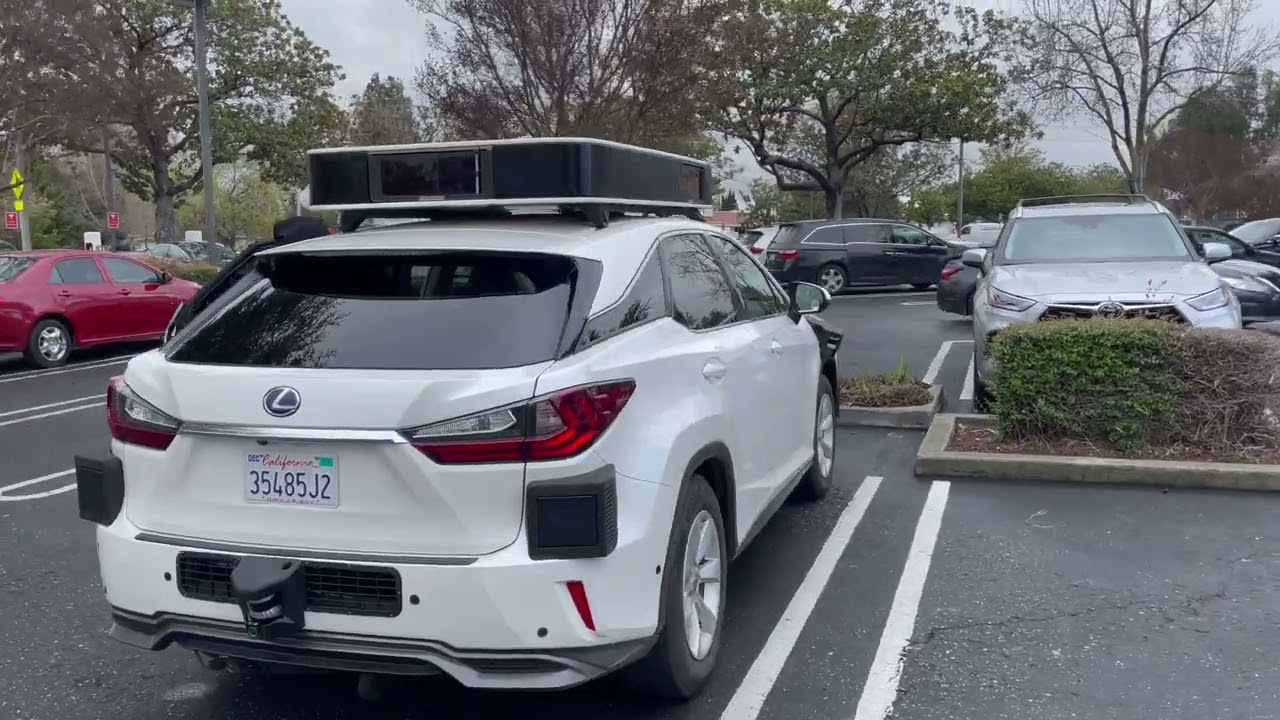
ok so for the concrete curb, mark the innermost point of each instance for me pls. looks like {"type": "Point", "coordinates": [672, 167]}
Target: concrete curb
{"type": "Point", "coordinates": [917, 417]}
{"type": "Point", "coordinates": [934, 460]}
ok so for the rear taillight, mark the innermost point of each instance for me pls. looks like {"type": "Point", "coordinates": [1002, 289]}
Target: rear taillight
{"type": "Point", "coordinates": [948, 271]}
{"type": "Point", "coordinates": [135, 421]}
{"type": "Point", "coordinates": [756, 250]}
{"type": "Point", "coordinates": [553, 427]}
{"type": "Point", "coordinates": [788, 254]}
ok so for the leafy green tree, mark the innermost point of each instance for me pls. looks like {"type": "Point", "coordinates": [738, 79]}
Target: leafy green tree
{"type": "Point", "coordinates": [858, 77]}
{"type": "Point", "coordinates": [270, 95]}
{"type": "Point", "coordinates": [384, 115]}
{"type": "Point", "coordinates": [246, 205]}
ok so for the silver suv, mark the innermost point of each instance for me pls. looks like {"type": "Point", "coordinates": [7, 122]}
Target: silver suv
{"type": "Point", "coordinates": [1093, 256]}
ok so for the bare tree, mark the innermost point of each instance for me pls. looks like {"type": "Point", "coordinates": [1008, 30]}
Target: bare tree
{"type": "Point", "coordinates": [621, 69]}
{"type": "Point", "coordinates": [1130, 65]}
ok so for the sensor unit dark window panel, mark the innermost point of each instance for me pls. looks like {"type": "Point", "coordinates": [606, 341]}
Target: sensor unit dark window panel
{"type": "Point", "coordinates": [340, 178]}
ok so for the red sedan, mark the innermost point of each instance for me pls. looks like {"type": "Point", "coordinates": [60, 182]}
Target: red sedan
{"type": "Point", "coordinates": [52, 301]}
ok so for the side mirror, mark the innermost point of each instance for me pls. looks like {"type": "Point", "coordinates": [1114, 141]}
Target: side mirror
{"type": "Point", "coordinates": [1216, 251]}
{"type": "Point", "coordinates": [975, 257]}
{"type": "Point", "coordinates": [165, 278]}
{"type": "Point", "coordinates": [807, 298]}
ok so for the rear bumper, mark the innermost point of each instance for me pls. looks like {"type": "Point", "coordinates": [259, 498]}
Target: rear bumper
{"type": "Point", "coordinates": [953, 297]}
{"type": "Point", "coordinates": [501, 620]}
{"type": "Point", "coordinates": [522, 669]}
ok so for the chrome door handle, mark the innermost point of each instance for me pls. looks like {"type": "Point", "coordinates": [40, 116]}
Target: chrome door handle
{"type": "Point", "coordinates": [714, 370]}
{"type": "Point", "coordinates": [775, 347]}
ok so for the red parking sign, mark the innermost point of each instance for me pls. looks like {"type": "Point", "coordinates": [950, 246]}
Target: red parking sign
{"type": "Point", "coordinates": [11, 221]}
{"type": "Point", "coordinates": [113, 220]}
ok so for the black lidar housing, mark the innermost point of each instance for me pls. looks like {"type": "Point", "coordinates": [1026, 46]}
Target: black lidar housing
{"type": "Point", "coordinates": [507, 171]}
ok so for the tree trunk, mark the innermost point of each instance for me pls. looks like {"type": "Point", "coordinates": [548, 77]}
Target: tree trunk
{"type": "Point", "coordinates": [835, 200]}
{"type": "Point", "coordinates": [166, 219]}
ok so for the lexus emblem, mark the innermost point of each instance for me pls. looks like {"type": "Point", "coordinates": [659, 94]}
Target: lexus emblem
{"type": "Point", "coordinates": [281, 401]}
{"type": "Point", "coordinates": [1109, 309]}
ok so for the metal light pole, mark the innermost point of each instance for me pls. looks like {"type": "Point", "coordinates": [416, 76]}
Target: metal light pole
{"type": "Point", "coordinates": [960, 193]}
{"type": "Point", "coordinates": [202, 88]}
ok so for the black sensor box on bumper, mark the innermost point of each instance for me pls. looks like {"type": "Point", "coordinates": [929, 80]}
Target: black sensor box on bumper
{"type": "Point", "coordinates": [99, 488]}
{"type": "Point", "coordinates": [573, 518]}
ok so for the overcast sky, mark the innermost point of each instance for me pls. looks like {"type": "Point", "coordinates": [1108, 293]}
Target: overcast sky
{"type": "Point", "coordinates": [387, 37]}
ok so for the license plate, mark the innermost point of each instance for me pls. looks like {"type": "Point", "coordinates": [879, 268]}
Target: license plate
{"type": "Point", "coordinates": [291, 479]}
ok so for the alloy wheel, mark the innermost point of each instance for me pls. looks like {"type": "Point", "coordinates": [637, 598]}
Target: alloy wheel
{"type": "Point", "coordinates": [703, 583]}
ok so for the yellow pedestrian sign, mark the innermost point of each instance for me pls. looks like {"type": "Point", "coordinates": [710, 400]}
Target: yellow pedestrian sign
{"type": "Point", "coordinates": [18, 186]}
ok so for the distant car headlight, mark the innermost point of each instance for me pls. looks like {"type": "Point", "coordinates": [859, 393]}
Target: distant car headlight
{"type": "Point", "coordinates": [998, 298]}
{"type": "Point", "coordinates": [1211, 300]}
{"type": "Point", "coordinates": [1247, 284]}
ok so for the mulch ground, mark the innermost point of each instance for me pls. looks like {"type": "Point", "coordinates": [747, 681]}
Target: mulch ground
{"type": "Point", "coordinates": [882, 392]}
{"type": "Point", "coordinates": [968, 438]}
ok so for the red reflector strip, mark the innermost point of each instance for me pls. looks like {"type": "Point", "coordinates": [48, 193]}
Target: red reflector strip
{"type": "Point", "coordinates": [788, 254]}
{"type": "Point", "coordinates": [578, 593]}
{"type": "Point", "coordinates": [948, 272]}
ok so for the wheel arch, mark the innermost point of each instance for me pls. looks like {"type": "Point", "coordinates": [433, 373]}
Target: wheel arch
{"type": "Point", "coordinates": [66, 322]}
{"type": "Point", "coordinates": [714, 463]}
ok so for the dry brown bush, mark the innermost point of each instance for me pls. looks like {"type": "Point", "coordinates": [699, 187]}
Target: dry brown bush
{"type": "Point", "coordinates": [1229, 387]}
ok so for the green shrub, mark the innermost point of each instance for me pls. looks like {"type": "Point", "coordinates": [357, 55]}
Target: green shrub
{"type": "Point", "coordinates": [1109, 381]}
{"type": "Point", "coordinates": [195, 272]}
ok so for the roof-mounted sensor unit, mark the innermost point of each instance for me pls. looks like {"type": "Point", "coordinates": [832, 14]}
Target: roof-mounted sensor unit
{"type": "Point", "coordinates": [595, 179]}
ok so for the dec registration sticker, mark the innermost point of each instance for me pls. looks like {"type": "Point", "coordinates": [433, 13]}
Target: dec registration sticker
{"type": "Point", "coordinates": [287, 479]}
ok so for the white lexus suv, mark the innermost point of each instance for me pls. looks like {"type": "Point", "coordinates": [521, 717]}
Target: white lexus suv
{"type": "Point", "coordinates": [517, 450]}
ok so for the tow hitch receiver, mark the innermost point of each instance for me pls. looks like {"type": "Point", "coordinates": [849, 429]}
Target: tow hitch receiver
{"type": "Point", "coordinates": [272, 594]}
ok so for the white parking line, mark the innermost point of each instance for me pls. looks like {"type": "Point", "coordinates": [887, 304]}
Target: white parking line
{"type": "Point", "coordinates": [35, 481]}
{"type": "Point", "coordinates": [935, 367]}
{"type": "Point", "coordinates": [913, 304]}
{"type": "Point", "coordinates": [93, 365]}
{"type": "Point", "coordinates": [52, 413]}
{"type": "Point", "coordinates": [759, 680]}
{"type": "Point", "coordinates": [881, 688]}
{"type": "Point", "coordinates": [33, 408]}
{"type": "Point", "coordinates": [966, 392]}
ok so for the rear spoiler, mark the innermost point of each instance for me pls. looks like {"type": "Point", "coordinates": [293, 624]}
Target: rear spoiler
{"type": "Point", "coordinates": [285, 232]}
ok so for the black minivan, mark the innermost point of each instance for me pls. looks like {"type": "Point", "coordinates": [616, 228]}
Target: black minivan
{"type": "Point", "coordinates": [857, 251]}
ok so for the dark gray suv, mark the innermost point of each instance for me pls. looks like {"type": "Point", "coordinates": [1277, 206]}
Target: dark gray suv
{"type": "Point", "coordinates": [857, 251]}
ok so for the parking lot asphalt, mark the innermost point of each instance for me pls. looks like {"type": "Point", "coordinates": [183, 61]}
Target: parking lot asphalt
{"type": "Point", "coordinates": [897, 594]}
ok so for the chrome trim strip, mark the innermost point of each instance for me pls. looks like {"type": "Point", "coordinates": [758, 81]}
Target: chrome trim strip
{"type": "Point", "coordinates": [301, 554]}
{"type": "Point", "coordinates": [259, 432]}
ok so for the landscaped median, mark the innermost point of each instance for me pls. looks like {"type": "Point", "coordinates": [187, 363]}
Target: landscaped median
{"type": "Point", "coordinates": [1121, 401]}
{"type": "Point", "coordinates": [893, 400]}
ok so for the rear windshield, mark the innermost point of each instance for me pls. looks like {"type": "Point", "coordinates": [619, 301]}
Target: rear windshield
{"type": "Point", "coordinates": [436, 311]}
{"type": "Point", "coordinates": [789, 236]}
{"type": "Point", "coordinates": [12, 266]}
{"type": "Point", "coordinates": [1094, 238]}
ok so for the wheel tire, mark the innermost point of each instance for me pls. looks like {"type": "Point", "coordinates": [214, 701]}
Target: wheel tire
{"type": "Point", "coordinates": [816, 482]}
{"type": "Point", "coordinates": [670, 671]}
{"type": "Point", "coordinates": [830, 268]}
{"type": "Point", "coordinates": [46, 329]}
{"type": "Point", "coordinates": [983, 401]}
{"type": "Point", "coordinates": [922, 286]}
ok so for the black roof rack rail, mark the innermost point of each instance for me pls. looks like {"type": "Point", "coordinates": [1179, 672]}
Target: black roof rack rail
{"type": "Point", "coordinates": [597, 214]}
{"type": "Point", "coordinates": [1126, 198]}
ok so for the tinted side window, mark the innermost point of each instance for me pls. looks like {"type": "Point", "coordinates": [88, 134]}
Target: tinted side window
{"type": "Point", "coordinates": [867, 233]}
{"type": "Point", "coordinates": [827, 235]}
{"type": "Point", "coordinates": [77, 271]}
{"type": "Point", "coordinates": [904, 235]}
{"type": "Point", "coordinates": [759, 297]}
{"type": "Point", "coordinates": [128, 271]}
{"type": "Point", "coordinates": [645, 300]}
{"type": "Point", "coordinates": [701, 297]}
